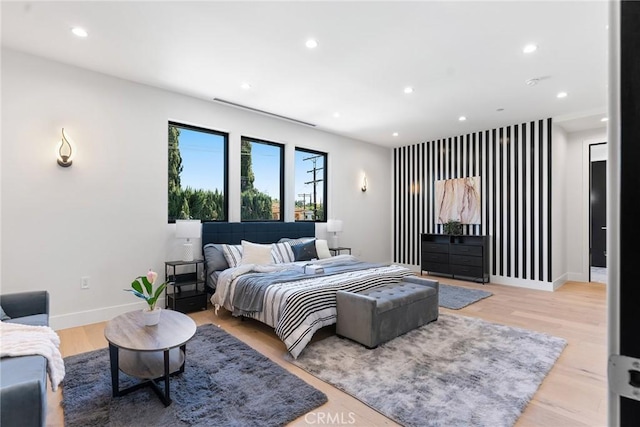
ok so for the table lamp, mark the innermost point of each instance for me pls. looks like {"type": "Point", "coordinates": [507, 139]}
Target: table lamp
{"type": "Point", "coordinates": [334, 226]}
{"type": "Point", "coordinates": [188, 229]}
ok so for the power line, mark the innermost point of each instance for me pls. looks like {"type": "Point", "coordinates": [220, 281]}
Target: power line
{"type": "Point", "coordinates": [315, 182]}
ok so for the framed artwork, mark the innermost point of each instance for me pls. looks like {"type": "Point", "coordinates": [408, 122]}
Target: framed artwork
{"type": "Point", "coordinates": [458, 199]}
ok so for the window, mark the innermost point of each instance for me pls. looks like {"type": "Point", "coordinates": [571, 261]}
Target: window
{"type": "Point", "coordinates": [311, 185]}
{"type": "Point", "coordinates": [197, 173]}
{"type": "Point", "coordinates": [262, 180]}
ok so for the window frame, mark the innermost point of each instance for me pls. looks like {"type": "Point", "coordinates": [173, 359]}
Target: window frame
{"type": "Point", "coordinates": [324, 181]}
{"type": "Point", "coordinates": [225, 189]}
{"type": "Point", "coordinates": [282, 176]}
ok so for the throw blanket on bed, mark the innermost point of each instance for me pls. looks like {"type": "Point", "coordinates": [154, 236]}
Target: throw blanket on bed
{"type": "Point", "coordinates": [250, 288]}
{"type": "Point", "coordinates": [27, 340]}
{"type": "Point", "coordinates": [297, 309]}
{"type": "Point", "coordinates": [310, 305]}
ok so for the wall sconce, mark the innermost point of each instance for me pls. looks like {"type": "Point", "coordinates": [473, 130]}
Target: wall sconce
{"type": "Point", "coordinates": [64, 152]}
{"type": "Point", "coordinates": [364, 184]}
{"type": "Point", "coordinates": [415, 188]}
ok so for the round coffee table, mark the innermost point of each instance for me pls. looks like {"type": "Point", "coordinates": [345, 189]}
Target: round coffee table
{"type": "Point", "coordinates": [151, 353]}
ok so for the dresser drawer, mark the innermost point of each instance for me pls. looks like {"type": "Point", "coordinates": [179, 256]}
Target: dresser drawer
{"type": "Point", "coordinates": [435, 247]}
{"type": "Point", "coordinates": [435, 267]}
{"type": "Point", "coordinates": [468, 271]}
{"type": "Point", "coordinates": [435, 257]}
{"type": "Point", "coordinates": [466, 250]}
{"type": "Point", "coordinates": [473, 261]}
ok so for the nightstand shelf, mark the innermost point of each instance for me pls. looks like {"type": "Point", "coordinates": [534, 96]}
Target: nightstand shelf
{"type": "Point", "coordinates": [185, 291]}
{"type": "Point", "coordinates": [338, 250]}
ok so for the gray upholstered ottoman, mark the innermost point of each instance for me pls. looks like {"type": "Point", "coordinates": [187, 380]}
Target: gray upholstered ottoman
{"type": "Point", "coordinates": [380, 314]}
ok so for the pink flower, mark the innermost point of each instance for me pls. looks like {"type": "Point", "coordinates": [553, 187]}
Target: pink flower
{"type": "Point", "coordinates": [152, 276]}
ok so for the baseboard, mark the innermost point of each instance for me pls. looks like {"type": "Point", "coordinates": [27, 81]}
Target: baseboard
{"type": "Point", "coordinates": [560, 281]}
{"type": "Point", "coordinates": [577, 277]}
{"type": "Point", "coordinates": [81, 318]}
{"type": "Point", "coordinates": [509, 281]}
{"type": "Point", "coordinates": [524, 283]}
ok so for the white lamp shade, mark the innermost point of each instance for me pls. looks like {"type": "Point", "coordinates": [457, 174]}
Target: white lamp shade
{"type": "Point", "coordinates": [188, 229]}
{"type": "Point", "coordinates": [334, 225]}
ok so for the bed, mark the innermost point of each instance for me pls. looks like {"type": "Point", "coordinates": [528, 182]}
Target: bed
{"type": "Point", "coordinates": [296, 298]}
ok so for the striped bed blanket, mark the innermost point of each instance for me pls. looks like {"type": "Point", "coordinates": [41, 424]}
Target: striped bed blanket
{"type": "Point", "coordinates": [297, 309]}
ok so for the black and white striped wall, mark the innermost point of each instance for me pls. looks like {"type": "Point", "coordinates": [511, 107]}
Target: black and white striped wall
{"type": "Point", "coordinates": [514, 163]}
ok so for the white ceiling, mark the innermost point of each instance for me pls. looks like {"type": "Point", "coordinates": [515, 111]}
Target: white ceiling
{"type": "Point", "coordinates": [462, 58]}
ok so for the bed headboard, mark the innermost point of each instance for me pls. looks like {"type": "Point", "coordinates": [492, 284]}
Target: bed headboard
{"type": "Point", "coordinates": [256, 232]}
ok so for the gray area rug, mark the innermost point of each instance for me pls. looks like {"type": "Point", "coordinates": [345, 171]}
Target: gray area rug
{"type": "Point", "coordinates": [225, 383]}
{"type": "Point", "coordinates": [456, 371]}
{"type": "Point", "coordinates": [456, 297]}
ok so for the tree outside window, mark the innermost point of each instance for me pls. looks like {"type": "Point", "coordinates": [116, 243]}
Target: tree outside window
{"type": "Point", "coordinates": [262, 178]}
{"type": "Point", "coordinates": [311, 185]}
{"type": "Point", "coordinates": [197, 174]}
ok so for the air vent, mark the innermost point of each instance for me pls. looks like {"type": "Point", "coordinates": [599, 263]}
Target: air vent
{"type": "Point", "coordinates": [255, 110]}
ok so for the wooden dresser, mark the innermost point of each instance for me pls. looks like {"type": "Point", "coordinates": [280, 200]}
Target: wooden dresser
{"type": "Point", "coordinates": [461, 257]}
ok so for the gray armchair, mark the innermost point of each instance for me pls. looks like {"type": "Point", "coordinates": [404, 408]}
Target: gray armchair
{"type": "Point", "coordinates": [28, 308]}
{"type": "Point", "coordinates": [23, 380]}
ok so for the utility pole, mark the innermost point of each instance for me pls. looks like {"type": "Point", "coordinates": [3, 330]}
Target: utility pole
{"type": "Point", "coordinates": [315, 182]}
{"type": "Point", "coordinates": [304, 201]}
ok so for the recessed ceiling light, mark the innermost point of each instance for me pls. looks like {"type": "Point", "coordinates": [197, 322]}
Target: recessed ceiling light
{"type": "Point", "coordinates": [336, 114]}
{"type": "Point", "coordinates": [80, 32]}
{"type": "Point", "coordinates": [245, 86]}
{"type": "Point", "coordinates": [604, 119]}
{"type": "Point", "coordinates": [462, 118]}
{"type": "Point", "coordinates": [530, 48]}
{"type": "Point", "coordinates": [408, 89]}
{"type": "Point", "coordinates": [311, 43]}
{"type": "Point", "coordinates": [562, 94]}
{"type": "Point", "coordinates": [395, 134]}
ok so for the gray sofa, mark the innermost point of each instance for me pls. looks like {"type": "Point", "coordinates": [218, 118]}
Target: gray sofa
{"type": "Point", "coordinates": [23, 380]}
{"type": "Point", "coordinates": [374, 316]}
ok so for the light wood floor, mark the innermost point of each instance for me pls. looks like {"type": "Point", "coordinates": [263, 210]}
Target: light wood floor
{"type": "Point", "coordinates": [573, 394]}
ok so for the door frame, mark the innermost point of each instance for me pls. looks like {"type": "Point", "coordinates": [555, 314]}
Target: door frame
{"type": "Point", "coordinates": [586, 197]}
{"type": "Point", "coordinates": [613, 203]}
{"type": "Point", "coordinates": [590, 146]}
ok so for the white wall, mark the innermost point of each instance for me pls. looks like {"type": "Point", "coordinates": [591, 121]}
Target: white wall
{"type": "Point", "coordinates": [559, 218]}
{"type": "Point", "coordinates": [577, 201]}
{"type": "Point", "coordinates": [106, 216]}
{"type": "Point", "coordinates": [599, 153]}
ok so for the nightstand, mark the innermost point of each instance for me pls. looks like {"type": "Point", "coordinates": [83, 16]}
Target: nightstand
{"type": "Point", "coordinates": [338, 251]}
{"type": "Point", "coordinates": [185, 290]}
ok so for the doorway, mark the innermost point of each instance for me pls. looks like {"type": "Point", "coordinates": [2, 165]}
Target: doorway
{"type": "Point", "coordinates": [598, 213]}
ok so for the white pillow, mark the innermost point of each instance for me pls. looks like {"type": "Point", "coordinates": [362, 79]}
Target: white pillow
{"type": "Point", "coordinates": [254, 253]}
{"type": "Point", "coordinates": [322, 249]}
{"type": "Point", "coordinates": [233, 254]}
{"type": "Point", "coordinates": [282, 253]}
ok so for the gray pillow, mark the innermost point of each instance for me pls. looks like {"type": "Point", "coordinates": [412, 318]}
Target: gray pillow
{"type": "Point", "coordinates": [3, 315]}
{"type": "Point", "coordinates": [214, 257]}
{"type": "Point", "coordinates": [296, 241]}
